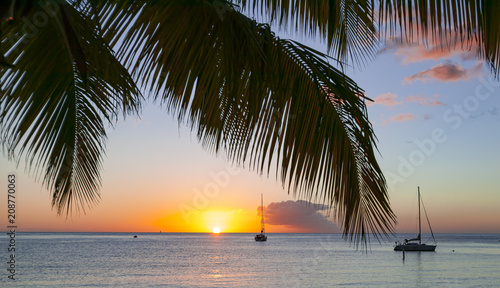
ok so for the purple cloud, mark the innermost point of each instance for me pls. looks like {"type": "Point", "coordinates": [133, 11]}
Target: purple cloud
{"type": "Point", "coordinates": [300, 216]}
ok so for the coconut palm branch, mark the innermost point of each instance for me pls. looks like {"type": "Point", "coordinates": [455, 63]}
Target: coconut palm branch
{"type": "Point", "coordinates": [65, 86]}
{"type": "Point", "coordinates": [348, 26]}
{"type": "Point", "coordinates": [261, 100]}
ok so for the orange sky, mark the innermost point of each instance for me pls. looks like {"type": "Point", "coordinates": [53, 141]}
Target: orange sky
{"type": "Point", "coordinates": [126, 208]}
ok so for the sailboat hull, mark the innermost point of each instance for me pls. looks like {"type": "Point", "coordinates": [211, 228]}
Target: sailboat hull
{"type": "Point", "coordinates": [415, 247]}
{"type": "Point", "coordinates": [260, 237]}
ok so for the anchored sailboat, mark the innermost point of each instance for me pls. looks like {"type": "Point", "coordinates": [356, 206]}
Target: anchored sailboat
{"type": "Point", "coordinates": [261, 236]}
{"type": "Point", "coordinates": [411, 245]}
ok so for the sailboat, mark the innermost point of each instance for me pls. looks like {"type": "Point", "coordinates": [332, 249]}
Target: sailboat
{"type": "Point", "coordinates": [261, 237]}
{"type": "Point", "coordinates": [412, 244]}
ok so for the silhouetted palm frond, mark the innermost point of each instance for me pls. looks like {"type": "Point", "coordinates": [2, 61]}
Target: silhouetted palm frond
{"type": "Point", "coordinates": [262, 99]}
{"type": "Point", "coordinates": [65, 85]}
{"type": "Point", "coordinates": [347, 26]}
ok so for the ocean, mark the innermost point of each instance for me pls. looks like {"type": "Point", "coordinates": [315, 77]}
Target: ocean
{"type": "Point", "coordinates": [236, 260]}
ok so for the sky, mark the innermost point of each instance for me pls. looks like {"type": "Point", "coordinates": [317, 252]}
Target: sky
{"type": "Point", "coordinates": [436, 117]}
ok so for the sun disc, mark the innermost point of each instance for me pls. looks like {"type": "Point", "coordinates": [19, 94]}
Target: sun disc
{"type": "Point", "coordinates": [216, 230]}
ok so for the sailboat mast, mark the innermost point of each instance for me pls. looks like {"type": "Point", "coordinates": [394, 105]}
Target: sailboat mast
{"type": "Point", "coordinates": [262, 212]}
{"type": "Point", "coordinates": [419, 222]}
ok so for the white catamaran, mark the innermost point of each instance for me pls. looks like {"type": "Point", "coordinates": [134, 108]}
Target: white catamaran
{"type": "Point", "coordinates": [411, 244]}
{"type": "Point", "coordinates": [261, 237]}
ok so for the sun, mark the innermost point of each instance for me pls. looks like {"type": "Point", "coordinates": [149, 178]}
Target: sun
{"type": "Point", "coordinates": [216, 230]}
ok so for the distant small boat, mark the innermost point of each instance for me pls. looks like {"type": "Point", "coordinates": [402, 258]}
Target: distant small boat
{"type": "Point", "coordinates": [135, 236]}
{"type": "Point", "coordinates": [408, 245]}
{"type": "Point", "coordinates": [261, 237]}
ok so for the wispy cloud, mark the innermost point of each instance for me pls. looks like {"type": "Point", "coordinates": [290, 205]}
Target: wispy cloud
{"type": "Point", "coordinates": [445, 72]}
{"type": "Point", "coordinates": [432, 51]}
{"type": "Point", "coordinates": [387, 99]}
{"type": "Point", "coordinates": [300, 216]}
{"type": "Point", "coordinates": [401, 117]}
{"type": "Point", "coordinates": [390, 100]}
{"type": "Point", "coordinates": [425, 101]}
{"type": "Point", "coordinates": [420, 53]}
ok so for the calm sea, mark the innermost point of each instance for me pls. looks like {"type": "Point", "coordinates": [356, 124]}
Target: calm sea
{"type": "Point", "coordinates": [236, 260]}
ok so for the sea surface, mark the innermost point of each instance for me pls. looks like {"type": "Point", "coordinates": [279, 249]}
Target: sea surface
{"type": "Point", "coordinates": [236, 260]}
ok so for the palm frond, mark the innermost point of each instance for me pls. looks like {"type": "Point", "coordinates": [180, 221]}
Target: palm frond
{"type": "Point", "coordinates": [258, 98]}
{"type": "Point", "coordinates": [263, 100]}
{"type": "Point", "coordinates": [346, 26]}
{"type": "Point", "coordinates": [65, 85]}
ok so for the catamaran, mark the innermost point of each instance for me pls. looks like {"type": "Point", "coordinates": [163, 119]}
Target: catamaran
{"type": "Point", "coordinates": [411, 244]}
{"type": "Point", "coordinates": [261, 236]}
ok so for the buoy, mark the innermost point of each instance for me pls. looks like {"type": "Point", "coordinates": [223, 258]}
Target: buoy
{"type": "Point", "coordinates": [135, 236]}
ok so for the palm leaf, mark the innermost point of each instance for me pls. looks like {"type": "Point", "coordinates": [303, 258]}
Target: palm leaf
{"type": "Point", "coordinates": [346, 26]}
{"type": "Point", "coordinates": [262, 100]}
{"type": "Point", "coordinates": [53, 107]}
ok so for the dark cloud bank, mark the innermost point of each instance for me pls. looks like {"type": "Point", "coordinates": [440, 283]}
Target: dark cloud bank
{"type": "Point", "coordinates": [300, 216]}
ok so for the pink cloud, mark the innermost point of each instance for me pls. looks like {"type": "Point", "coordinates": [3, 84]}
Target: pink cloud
{"type": "Point", "coordinates": [445, 72]}
{"type": "Point", "coordinates": [399, 118]}
{"type": "Point", "coordinates": [420, 53]}
{"type": "Point", "coordinates": [432, 51]}
{"type": "Point", "coordinates": [425, 101]}
{"type": "Point", "coordinates": [387, 99]}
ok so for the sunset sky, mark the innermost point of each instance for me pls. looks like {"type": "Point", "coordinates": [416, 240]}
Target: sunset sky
{"type": "Point", "coordinates": [436, 116]}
